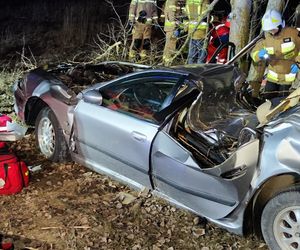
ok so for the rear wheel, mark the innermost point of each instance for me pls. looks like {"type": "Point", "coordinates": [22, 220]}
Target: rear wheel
{"type": "Point", "coordinates": [280, 221]}
{"type": "Point", "coordinates": [49, 136]}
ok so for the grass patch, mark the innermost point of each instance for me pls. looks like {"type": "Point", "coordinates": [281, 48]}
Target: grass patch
{"type": "Point", "coordinates": [7, 79]}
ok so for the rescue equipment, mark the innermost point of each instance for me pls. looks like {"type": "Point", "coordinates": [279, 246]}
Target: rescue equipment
{"type": "Point", "coordinates": [4, 119]}
{"type": "Point", "coordinates": [14, 174]}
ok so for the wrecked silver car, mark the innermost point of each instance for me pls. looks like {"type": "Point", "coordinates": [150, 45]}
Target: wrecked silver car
{"type": "Point", "coordinates": [178, 131]}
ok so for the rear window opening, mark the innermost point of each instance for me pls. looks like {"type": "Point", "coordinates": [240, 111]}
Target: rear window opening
{"type": "Point", "coordinates": [212, 131]}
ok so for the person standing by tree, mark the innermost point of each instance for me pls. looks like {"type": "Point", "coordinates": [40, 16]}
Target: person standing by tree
{"type": "Point", "coordinates": [196, 29]}
{"type": "Point", "coordinates": [281, 50]}
{"type": "Point", "coordinates": [219, 35]}
{"type": "Point", "coordinates": [142, 15]}
{"type": "Point", "coordinates": [174, 15]}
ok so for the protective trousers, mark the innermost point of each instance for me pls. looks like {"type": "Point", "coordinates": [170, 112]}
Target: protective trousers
{"type": "Point", "coordinates": [141, 36]}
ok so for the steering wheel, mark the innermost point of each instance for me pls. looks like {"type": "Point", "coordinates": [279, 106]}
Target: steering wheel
{"type": "Point", "coordinates": [122, 97]}
{"type": "Point", "coordinates": [148, 95]}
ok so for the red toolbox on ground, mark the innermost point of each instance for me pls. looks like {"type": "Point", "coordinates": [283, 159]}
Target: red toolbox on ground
{"type": "Point", "coordinates": [14, 174]}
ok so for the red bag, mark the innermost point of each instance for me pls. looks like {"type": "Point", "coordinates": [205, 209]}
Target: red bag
{"type": "Point", "coordinates": [14, 174]}
{"type": "Point", "coordinates": [3, 122]}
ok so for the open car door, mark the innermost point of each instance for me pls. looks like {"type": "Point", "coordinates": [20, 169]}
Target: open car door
{"type": "Point", "coordinates": [213, 192]}
{"type": "Point", "coordinates": [188, 161]}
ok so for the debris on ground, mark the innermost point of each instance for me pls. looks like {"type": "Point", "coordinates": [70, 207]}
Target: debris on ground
{"type": "Point", "coordinates": [67, 206]}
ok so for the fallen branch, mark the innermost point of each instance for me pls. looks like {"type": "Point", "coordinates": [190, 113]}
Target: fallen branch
{"type": "Point", "coordinates": [117, 44]}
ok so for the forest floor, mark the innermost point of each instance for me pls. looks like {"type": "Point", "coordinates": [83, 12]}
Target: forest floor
{"type": "Point", "coordinates": [66, 206]}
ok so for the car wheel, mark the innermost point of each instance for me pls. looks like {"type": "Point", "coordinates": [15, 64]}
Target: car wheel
{"type": "Point", "coordinates": [49, 136]}
{"type": "Point", "coordinates": [280, 222]}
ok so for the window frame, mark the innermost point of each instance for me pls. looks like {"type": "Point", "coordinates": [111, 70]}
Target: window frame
{"type": "Point", "coordinates": [142, 79]}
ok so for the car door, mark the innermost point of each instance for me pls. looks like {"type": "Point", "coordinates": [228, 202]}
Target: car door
{"type": "Point", "coordinates": [116, 137]}
{"type": "Point", "coordinates": [212, 192]}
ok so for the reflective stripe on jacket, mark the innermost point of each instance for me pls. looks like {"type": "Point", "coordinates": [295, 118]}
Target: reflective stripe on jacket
{"type": "Point", "coordinates": [284, 50]}
{"type": "Point", "coordinates": [173, 12]}
{"type": "Point", "coordinates": [150, 6]}
{"type": "Point", "coordinates": [194, 11]}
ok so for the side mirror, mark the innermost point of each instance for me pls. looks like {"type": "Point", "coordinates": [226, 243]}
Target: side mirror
{"type": "Point", "coordinates": [93, 96]}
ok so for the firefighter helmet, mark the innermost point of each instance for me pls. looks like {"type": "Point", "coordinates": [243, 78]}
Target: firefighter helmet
{"type": "Point", "coordinates": [272, 19]}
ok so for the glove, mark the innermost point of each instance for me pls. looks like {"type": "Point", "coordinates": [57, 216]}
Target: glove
{"type": "Point", "coordinates": [263, 54]}
{"type": "Point", "coordinates": [294, 68]}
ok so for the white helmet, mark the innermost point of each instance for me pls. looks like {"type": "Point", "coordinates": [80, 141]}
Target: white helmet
{"type": "Point", "coordinates": [271, 20]}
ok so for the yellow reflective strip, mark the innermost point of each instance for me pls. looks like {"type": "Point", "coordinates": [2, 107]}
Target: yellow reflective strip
{"type": "Point", "coordinates": [188, 10]}
{"type": "Point", "coordinates": [272, 75]}
{"type": "Point", "coordinates": [254, 56]}
{"type": "Point", "coordinates": [274, 20]}
{"type": "Point", "coordinates": [270, 50]}
{"type": "Point", "coordinates": [289, 55]}
{"type": "Point", "coordinates": [168, 23]}
{"type": "Point", "coordinates": [202, 26]}
{"type": "Point", "coordinates": [290, 77]}
{"type": "Point", "coordinates": [287, 47]}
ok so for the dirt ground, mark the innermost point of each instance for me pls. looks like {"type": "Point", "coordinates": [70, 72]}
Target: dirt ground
{"type": "Point", "coordinates": [66, 206]}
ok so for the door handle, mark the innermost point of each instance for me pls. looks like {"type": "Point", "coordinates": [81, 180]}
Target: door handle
{"type": "Point", "coordinates": [138, 136]}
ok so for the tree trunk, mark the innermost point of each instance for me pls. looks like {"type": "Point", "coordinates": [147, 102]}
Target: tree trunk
{"type": "Point", "coordinates": [276, 4]}
{"type": "Point", "coordinates": [239, 25]}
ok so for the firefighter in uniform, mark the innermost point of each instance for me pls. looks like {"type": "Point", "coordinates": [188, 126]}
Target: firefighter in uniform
{"type": "Point", "coordinates": [281, 50]}
{"type": "Point", "coordinates": [142, 15]}
{"type": "Point", "coordinates": [197, 30]}
{"type": "Point", "coordinates": [174, 15]}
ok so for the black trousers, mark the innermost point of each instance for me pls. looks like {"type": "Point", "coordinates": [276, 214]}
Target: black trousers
{"type": "Point", "coordinates": [275, 92]}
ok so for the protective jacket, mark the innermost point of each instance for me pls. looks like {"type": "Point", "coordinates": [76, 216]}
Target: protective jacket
{"type": "Point", "coordinates": [219, 36]}
{"type": "Point", "coordinates": [149, 6]}
{"type": "Point", "coordinates": [194, 10]}
{"type": "Point", "coordinates": [284, 50]}
{"type": "Point", "coordinates": [174, 14]}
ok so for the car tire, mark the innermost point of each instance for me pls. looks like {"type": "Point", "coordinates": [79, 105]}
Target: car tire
{"type": "Point", "coordinates": [280, 221]}
{"type": "Point", "coordinates": [49, 136]}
